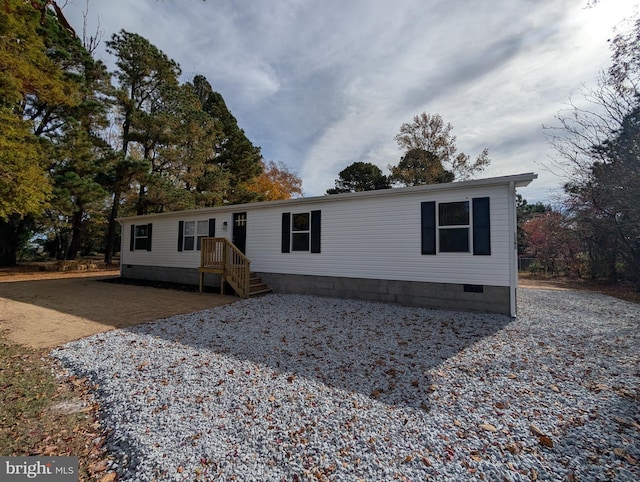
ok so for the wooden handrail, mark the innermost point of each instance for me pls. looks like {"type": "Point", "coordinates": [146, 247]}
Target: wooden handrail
{"type": "Point", "coordinates": [219, 255]}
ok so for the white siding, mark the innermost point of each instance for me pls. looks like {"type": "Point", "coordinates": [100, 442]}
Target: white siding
{"type": "Point", "coordinates": [164, 240]}
{"type": "Point", "coordinates": [380, 239]}
{"type": "Point", "coordinates": [361, 237]}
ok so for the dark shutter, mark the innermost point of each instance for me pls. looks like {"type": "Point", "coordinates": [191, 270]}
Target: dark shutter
{"type": "Point", "coordinates": [428, 227]}
{"type": "Point", "coordinates": [132, 241]}
{"type": "Point", "coordinates": [481, 226]}
{"type": "Point", "coordinates": [286, 232]}
{"type": "Point", "coordinates": [149, 236]}
{"type": "Point", "coordinates": [180, 234]}
{"type": "Point", "coordinates": [212, 227]}
{"type": "Point", "coordinates": [315, 231]}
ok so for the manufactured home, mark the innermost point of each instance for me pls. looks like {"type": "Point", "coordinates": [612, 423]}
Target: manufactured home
{"type": "Point", "coordinates": [447, 246]}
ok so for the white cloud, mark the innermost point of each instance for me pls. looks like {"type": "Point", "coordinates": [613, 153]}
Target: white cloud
{"type": "Point", "coordinates": [320, 85]}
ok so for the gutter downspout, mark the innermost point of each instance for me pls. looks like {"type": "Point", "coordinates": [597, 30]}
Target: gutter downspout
{"type": "Point", "coordinates": [513, 256]}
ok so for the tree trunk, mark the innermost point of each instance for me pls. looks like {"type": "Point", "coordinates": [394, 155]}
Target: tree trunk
{"type": "Point", "coordinates": [10, 233]}
{"type": "Point", "coordinates": [77, 231]}
{"type": "Point", "coordinates": [111, 231]}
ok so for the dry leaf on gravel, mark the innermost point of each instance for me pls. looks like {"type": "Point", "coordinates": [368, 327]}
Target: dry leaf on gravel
{"type": "Point", "coordinates": [488, 427]}
{"type": "Point", "coordinates": [543, 438]}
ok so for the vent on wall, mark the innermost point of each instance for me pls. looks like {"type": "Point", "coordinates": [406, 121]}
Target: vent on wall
{"type": "Point", "coordinates": [473, 288]}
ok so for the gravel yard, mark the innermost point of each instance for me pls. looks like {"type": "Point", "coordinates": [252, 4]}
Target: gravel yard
{"type": "Point", "coordinates": [287, 387]}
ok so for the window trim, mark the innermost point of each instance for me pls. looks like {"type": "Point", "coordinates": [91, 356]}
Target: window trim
{"type": "Point", "coordinates": [314, 232]}
{"type": "Point", "coordinates": [301, 233]}
{"type": "Point", "coordinates": [134, 237]}
{"type": "Point", "coordinates": [203, 228]}
{"type": "Point", "coordinates": [444, 228]}
{"type": "Point", "coordinates": [478, 227]}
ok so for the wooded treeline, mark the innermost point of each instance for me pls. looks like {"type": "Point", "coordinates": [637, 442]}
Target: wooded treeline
{"type": "Point", "coordinates": [595, 231]}
{"type": "Point", "coordinates": [80, 146]}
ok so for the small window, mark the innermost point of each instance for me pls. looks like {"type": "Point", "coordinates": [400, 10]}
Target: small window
{"type": "Point", "coordinates": [194, 231]}
{"type": "Point", "coordinates": [141, 236]}
{"type": "Point", "coordinates": [300, 232]}
{"type": "Point", "coordinates": [240, 220]}
{"type": "Point", "coordinates": [203, 232]}
{"type": "Point", "coordinates": [453, 227]}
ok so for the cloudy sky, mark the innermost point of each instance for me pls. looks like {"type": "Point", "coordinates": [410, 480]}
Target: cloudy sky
{"type": "Point", "coordinates": [322, 84]}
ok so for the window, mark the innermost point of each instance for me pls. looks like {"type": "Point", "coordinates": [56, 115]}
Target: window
{"type": "Point", "coordinates": [453, 227]}
{"type": "Point", "coordinates": [191, 233]}
{"type": "Point", "coordinates": [301, 232]}
{"type": "Point", "coordinates": [140, 237]}
{"type": "Point", "coordinates": [460, 227]}
{"type": "Point", "coordinates": [194, 231]}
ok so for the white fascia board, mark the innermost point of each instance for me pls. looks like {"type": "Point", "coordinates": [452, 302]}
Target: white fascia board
{"type": "Point", "coordinates": [517, 180]}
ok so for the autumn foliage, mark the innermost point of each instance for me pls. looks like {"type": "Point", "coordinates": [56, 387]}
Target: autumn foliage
{"type": "Point", "coordinates": [552, 243]}
{"type": "Point", "coordinates": [276, 182]}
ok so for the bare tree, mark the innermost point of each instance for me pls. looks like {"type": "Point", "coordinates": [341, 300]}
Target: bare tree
{"type": "Point", "coordinates": [597, 143]}
{"type": "Point", "coordinates": [428, 132]}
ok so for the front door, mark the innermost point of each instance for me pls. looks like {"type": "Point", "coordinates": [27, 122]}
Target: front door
{"type": "Point", "coordinates": [239, 234]}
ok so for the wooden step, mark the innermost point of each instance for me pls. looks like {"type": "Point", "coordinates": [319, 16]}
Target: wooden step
{"type": "Point", "coordinates": [257, 287]}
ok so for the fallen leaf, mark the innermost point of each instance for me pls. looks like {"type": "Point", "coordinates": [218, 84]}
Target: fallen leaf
{"type": "Point", "coordinates": [513, 448]}
{"type": "Point", "coordinates": [619, 452]}
{"type": "Point", "coordinates": [488, 427]}
{"type": "Point", "coordinates": [99, 466]}
{"type": "Point", "coordinates": [543, 438]}
{"type": "Point", "coordinates": [536, 431]}
{"type": "Point", "coordinates": [627, 423]}
{"type": "Point", "coordinates": [110, 477]}
{"type": "Point", "coordinates": [49, 450]}
{"type": "Point", "coordinates": [546, 441]}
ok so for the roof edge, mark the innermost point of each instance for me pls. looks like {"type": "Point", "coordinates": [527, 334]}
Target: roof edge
{"type": "Point", "coordinates": [518, 180]}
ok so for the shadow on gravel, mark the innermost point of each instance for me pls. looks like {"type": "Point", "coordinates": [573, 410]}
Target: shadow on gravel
{"type": "Point", "coordinates": [382, 351]}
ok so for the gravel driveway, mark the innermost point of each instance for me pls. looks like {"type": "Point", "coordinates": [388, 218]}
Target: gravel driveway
{"type": "Point", "coordinates": [287, 387]}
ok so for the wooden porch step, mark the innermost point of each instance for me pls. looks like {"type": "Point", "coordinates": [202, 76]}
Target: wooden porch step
{"type": "Point", "coordinates": [256, 286]}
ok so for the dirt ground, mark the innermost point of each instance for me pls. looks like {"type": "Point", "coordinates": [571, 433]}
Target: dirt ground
{"type": "Point", "coordinates": [46, 309]}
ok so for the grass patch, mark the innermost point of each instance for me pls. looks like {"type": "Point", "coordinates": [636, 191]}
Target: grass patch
{"type": "Point", "coordinates": [46, 416]}
{"type": "Point", "coordinates": [26, 389]}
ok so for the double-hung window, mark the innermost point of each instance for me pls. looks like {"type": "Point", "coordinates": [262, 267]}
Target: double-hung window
{"type": "Point", "coordinates": [453, 227]}
{"type": "Point", "coordinates": [140, 237]}
{"type": "Point", "coordinates": [301, 232]}
{"type": "Point", "coordinates": [456, 227]}
{"type": "Point", "coordinates": [194, 231]}
{"type": "Point", "coordinates": [191, 233]}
